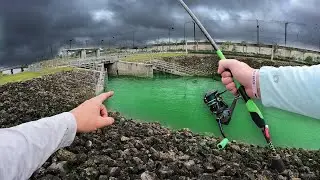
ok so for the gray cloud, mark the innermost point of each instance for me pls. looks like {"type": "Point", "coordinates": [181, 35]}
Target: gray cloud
{"type": "Point", "coordinates": [30, 29]}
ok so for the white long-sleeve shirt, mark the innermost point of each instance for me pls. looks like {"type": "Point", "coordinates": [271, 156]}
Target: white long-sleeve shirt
{"type": "Point", "coordinates": [294, 89]}
{"type": "Point", "coordinates": [24, 148]}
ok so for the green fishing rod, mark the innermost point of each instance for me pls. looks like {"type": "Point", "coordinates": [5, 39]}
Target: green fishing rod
{"type": "Point", "coordinates": [253, 109]}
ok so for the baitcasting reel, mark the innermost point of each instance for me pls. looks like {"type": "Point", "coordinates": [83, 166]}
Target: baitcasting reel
{"type": "Point", "coordinates": [221, 110]}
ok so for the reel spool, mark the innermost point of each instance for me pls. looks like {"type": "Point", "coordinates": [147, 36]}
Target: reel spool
{"type": "Point", "coordinates": [221, 110]}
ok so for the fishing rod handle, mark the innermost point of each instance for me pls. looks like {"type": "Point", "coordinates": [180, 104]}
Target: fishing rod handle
{"type": "Point", "coordinates": [253, 109]}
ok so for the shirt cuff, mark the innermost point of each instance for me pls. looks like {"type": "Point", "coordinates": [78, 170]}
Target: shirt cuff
{"type": "Point", "coordinates": [71, 128]}
{"type": "Point", "coordinates": [266, 86]}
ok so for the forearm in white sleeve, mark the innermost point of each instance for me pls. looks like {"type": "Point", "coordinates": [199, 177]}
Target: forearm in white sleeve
{"type": "Point", "coordinates": [24, 148]}
{"type": "Point", "coordinates": [295, 89]}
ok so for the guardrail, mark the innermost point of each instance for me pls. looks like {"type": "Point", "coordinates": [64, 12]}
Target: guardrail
{"type": "Point", "coordinates": [75, 62]}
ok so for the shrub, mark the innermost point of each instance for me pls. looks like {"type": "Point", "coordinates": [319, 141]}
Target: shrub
{"type": "Point", "coordinates": [309, 59]}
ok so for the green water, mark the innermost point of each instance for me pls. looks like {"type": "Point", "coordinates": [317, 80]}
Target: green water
{"type": "Point", "coordinates": [178, 103]}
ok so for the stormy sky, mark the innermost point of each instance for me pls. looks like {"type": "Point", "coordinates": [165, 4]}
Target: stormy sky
{"type": "Point", "coordinates": [33, 29]}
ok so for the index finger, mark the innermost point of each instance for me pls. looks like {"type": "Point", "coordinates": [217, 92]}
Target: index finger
{"type": "Point", "coordinates": [103, 96]}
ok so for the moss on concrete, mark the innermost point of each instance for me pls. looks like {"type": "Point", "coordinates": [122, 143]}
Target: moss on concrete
{"type": "Point", "coordinates": [150, 56]}
{"type": "Point", "coordinates": [27, 75]}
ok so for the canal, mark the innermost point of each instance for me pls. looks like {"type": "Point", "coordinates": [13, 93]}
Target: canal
{"type": "Point", "coordinates": [177, 102]}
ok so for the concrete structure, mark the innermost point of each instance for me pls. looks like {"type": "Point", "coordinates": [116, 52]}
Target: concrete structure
{"type": "Point", "coordinates": [84, 63]}
{"type": "Point", "coordinates": [130, 69]}
{"type": "Point", "coordinates": [175, 69]}
{"type": "Point", "coordinates": [83, 54]}
{"type": "Point", "coordinates": [279, 51]}
{"type": "Point", "coordinates": [20, 68]}
{"type": "Point", "coordinates": [97, 52]}
{"type": "Point", "coordinates": [101, 79]}
{"type": "Point", "coordinates": [80, 52]}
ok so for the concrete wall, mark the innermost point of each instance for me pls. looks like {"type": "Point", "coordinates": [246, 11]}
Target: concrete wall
{"type": "Point", "coordinates": [101, 79]}
{"type": "Point", "coordinates": [281, 51]}
{"type": "Point", "coordinates": [130, 69]}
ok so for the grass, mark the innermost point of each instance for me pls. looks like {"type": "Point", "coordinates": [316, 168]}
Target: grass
{"type": "Point", "coordinates": [27, 75]}
{"type": "Point", "coordinates": [150, 56]}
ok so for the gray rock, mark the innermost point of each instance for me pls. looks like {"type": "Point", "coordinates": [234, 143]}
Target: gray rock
{"type": "Point", "coordinates": [249, 175]}
{"type": "Point", "coordinates": [189, 164]}
{"type": "Point", "coordinates": [114, 171]}
{"type": "Point", "coordinates": [150, 132]}
{"type": "Point", "coordinates": [124, 138]}
{"type": "Point", "coordinates": [207, 176]}
{"type": "Point", "coordinates": [280, 177]}
{"type": "Point", "coordinates": [304, 169]}
{"type": "Point", "coordinates": [137, 160]}
{"type": "Point", "coordinates": [287, 172]}
{"type": "Point", "coordinates": [103, 169]}
{"type": "Point", "coordinates": [154, 153]}
{"type": "Point", "coordinates": [138, 144]}
{"type": "Point", "coordinates": [148, 176]}
{"type": "Point", "coordinates": [91, 172]}
{"type": "Point", "coordinates": [184, 157]}
{"type": "Point", "coordinates": [167, 156]}
{"type": "Point", "coordinates": [150, 164]}
{"type": "Point", "coordinates": [58, 167]}
{"type": "Point", "coordinates": [297, 160]}
{"type": "Point", "coordinates": [209, 168]}
{"type": "Point", "coordinates": [64, 155]}
{"type": "Point", "coordinates": [89, 144]}
{"type": "Point", "coordinates": [235, 147]}
{"type": "Point", "coordinates": [103, 177]}
{"type": "Point", "coordinates": [165, 171]}
{"type": "Point", "coordinates": [50, 177]}
{"type": "Point", "coordinates": [308, 176]}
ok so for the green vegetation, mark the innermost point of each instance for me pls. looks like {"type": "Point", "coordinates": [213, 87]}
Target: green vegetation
{"type": "Point", "coordinates": [150, 56]}
{"type": "Point", "coordinates": [309, 59]}
{"type": "Point", "coordinates": [202, 52]}
{"type": "Point", "coordinates": [30, 75]}
{"type": "Point", "coordinates": [225, 45]}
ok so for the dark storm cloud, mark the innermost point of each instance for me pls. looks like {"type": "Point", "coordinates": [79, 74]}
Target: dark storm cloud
{"type": "Point", "coordinates": [32, 28]}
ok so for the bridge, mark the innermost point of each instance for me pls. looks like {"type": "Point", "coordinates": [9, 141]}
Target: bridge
{"type": "Point", "coordinates": [83, 51]}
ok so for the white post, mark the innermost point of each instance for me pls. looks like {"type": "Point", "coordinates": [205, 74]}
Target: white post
{"type": "Point", "coordinates": [272, 50]}
{"type": "Point", "coordinates": [186, 47]}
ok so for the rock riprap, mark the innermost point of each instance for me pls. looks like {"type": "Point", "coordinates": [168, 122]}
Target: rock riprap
{"type": "Point", "coordinates": [130, 149]}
